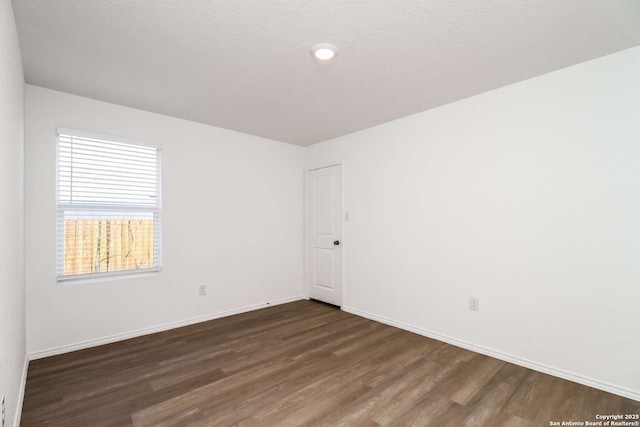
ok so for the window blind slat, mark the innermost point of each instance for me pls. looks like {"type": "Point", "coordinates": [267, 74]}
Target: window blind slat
{"type": "Point", "coordinates": [84, 172]}
{"type": "Point", "coordinates": [104, 164]}
{"type": "Point", "coordinates": [118, 151]}
{"type": "Point", "coordinates": [103, 142]}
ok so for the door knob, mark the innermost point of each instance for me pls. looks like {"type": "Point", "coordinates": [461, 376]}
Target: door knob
{"type": "Point", "coordinates": [336, 242]}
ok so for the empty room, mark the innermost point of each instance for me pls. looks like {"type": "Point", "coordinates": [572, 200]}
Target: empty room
{"type": "Point", "coordinates": [300, 213]}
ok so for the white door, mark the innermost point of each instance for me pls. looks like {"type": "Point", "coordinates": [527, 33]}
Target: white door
{"type": "Point", "coordinates": [324, 234]}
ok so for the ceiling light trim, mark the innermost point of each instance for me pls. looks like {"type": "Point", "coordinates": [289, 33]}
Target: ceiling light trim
{"type": "Point", "coordinates": [324, 51]}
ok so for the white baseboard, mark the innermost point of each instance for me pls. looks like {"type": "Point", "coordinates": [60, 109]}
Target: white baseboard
{"type": "Point", "coordinates": [160, 328]}
{"type": "Point", "coordinates": [561, 373]}
{"type": "Point", "coordinates": [23, 384]}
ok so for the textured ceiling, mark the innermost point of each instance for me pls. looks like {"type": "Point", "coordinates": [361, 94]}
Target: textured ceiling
{"type": "Point", "coordinates": [245, 65]}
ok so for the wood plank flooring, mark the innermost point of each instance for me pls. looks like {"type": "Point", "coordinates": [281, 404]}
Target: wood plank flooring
{"type": "Point", "coordinates": [296, 364]}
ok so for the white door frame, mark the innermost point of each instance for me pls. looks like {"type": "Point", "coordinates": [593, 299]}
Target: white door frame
{"type": "Point", "coordinates": [307, 281]}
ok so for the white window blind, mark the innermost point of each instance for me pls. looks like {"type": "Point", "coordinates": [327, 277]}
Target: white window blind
{"type": "Point", "coordinates": [108, 199]}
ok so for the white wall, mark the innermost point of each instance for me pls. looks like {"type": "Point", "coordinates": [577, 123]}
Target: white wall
{"type": "Point", "coordinates": [232, 220]}
{"type": "Point", "coordinates": [12, 308]}
{"type": "Point", "coordinates": [527, 197]}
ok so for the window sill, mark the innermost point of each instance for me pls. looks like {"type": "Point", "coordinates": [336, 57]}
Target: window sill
{"type": "Point", "coordinates": [105, 277]}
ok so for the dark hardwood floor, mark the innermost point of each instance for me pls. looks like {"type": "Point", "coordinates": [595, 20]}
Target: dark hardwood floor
{"type": "Point", "coordinates": [302, 363]}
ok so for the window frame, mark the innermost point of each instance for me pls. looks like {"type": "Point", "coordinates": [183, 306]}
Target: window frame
{"type": "Point", "coordinates": [61, 208]}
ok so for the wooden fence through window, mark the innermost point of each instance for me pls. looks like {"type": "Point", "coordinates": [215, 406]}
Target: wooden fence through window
{"type": "Point", "coordinates": [101, 245]}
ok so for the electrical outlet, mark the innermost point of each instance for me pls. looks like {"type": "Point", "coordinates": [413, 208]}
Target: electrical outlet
{"type": "Point", "coordinates": [202, 290]}
{"type": "Point", "coordinates": [3, 410]}
{"type": "Point", "coordinates": [474, 304]}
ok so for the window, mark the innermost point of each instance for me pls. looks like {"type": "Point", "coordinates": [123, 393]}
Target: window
{"type": "Point", "coordinates": [108, 199]}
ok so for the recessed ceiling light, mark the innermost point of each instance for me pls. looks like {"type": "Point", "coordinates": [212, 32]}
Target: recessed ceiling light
{"type": "Point", "coordinates": [324, 51]}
